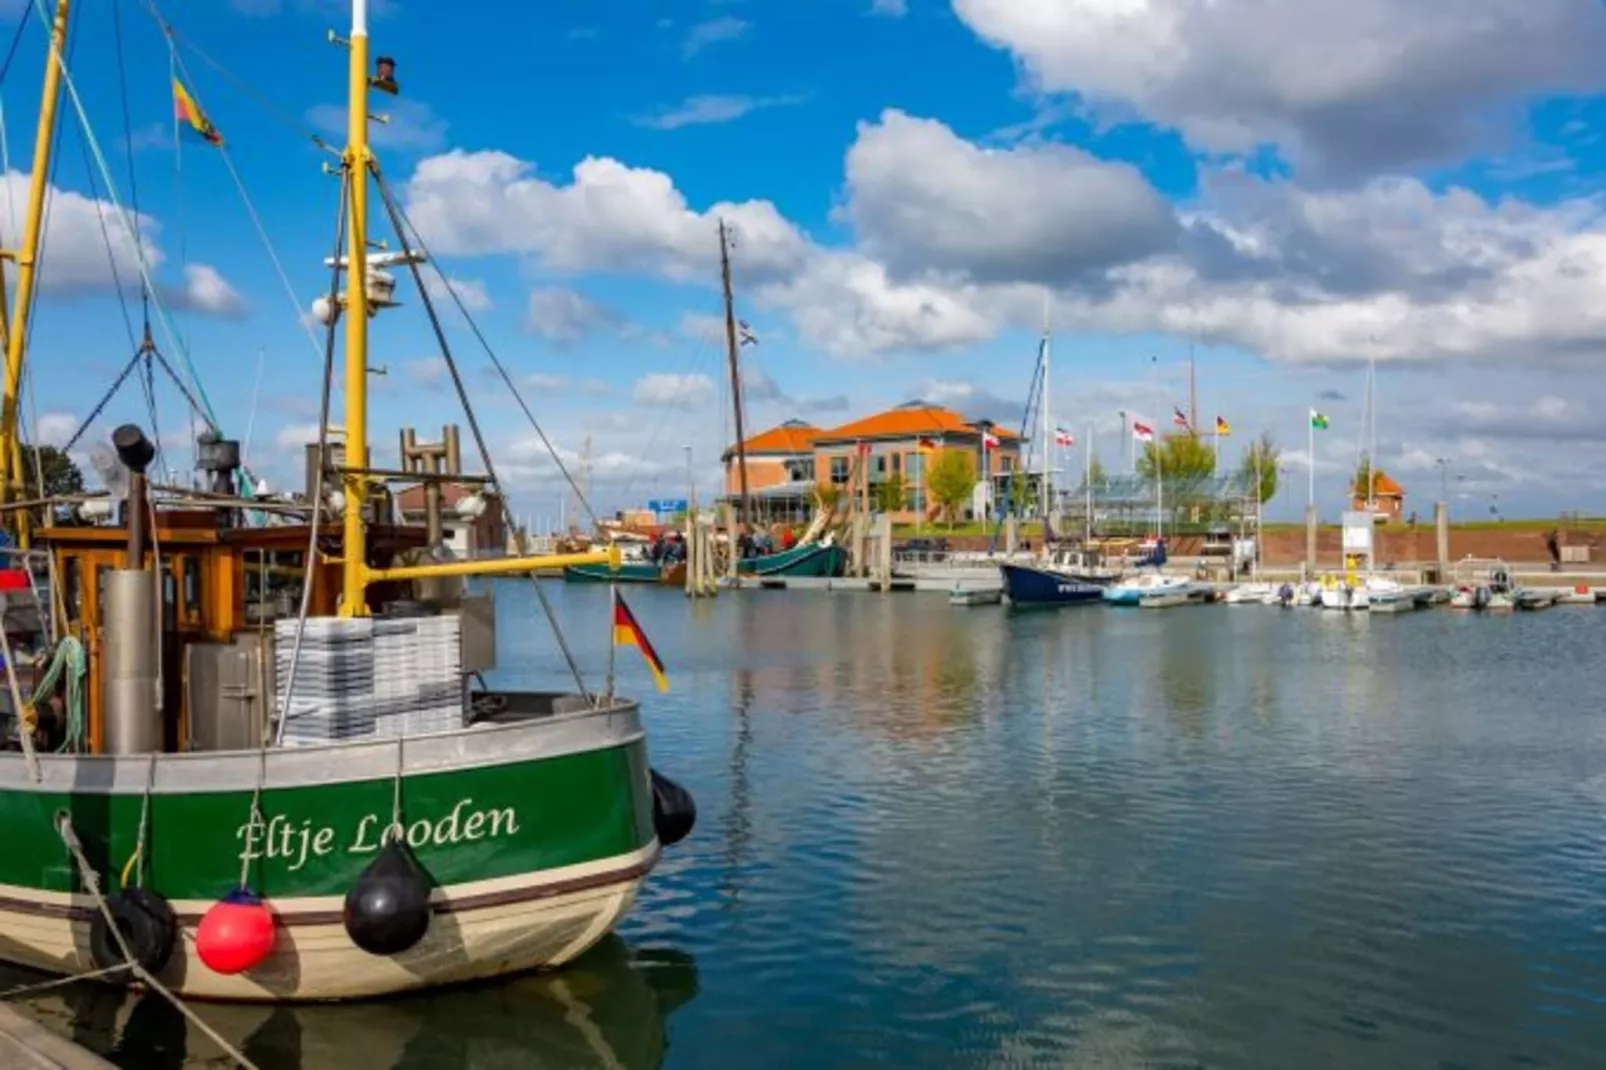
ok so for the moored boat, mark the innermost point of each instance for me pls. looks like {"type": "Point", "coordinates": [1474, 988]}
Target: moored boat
{"type": "Point", "coordinates": [818, 559]}
{"type": "Point", "coordinates": [1155, 590]}
{"type": "Point", "coordinates": [244, 801]}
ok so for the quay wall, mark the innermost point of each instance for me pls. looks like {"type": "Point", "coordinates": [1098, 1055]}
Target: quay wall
{"type": "Point", "coordinates": [1396, 544]}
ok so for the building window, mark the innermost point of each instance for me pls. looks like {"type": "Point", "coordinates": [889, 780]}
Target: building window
{"type": "Point", "coordinates": [897, 462]}
{"type": "Point", "coordinates": [839, 471]}
{"type": "Point", "coordinates": [1006, 463]}
{"type": "Point", "coordinates": [878, 469]}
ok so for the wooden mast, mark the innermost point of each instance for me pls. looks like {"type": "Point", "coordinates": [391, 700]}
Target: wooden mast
{"type": "Point", "coordinates": [27, 258]}
{"type": "Point", "coordinates": [731, 345]}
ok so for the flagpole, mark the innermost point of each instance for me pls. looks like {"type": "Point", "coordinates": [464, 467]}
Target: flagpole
{"type": "Point", "coordinates": [613, 616]}
{"type": "Point", "coordinates": [1310, 432]}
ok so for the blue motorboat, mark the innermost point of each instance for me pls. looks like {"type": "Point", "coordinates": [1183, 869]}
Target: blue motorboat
{"type": "Point", "coordinates": [1064, 580]}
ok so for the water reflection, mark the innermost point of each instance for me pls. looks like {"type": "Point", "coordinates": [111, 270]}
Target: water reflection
{"type": "Point", "coordinates": [608, 1010]}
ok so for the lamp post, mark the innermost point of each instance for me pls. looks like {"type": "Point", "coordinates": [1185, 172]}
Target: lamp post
{"type": "Point", "coordinates": [691, 481]}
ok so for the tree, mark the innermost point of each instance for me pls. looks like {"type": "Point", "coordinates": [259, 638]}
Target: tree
{"type": "Point", "coordinates": [950, 479]}
{"type": "Point", "coordinates": [1180, 459]}
{"type": "Point", "coordinates": [1364, 485]}
{"type": "Point", "coordinates": [1096, 474]}
{"type": "Point", "coordinates": [61, 474]}
{"type": "Point", "coordinates": [890, 494]}
{"type": "Point", "coordinates": [1259, 466]}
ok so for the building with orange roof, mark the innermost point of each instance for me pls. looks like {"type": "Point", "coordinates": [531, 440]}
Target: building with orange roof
{"type": "Point", "coordinates": [785, 464]}
{"type": "Point", "coordinates": [1388, 504]}
{"type": "Point", "coordinates": [780, 468]}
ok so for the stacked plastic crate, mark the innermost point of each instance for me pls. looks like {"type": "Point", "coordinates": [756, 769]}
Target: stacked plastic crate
{"type": "Point", "coordinates": [367, 677]}
{"type": "Point", "coordinates": [334, 679]}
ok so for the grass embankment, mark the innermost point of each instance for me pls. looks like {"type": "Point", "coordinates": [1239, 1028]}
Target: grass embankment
{"type": "Point", "coordinates": [1593, 525]}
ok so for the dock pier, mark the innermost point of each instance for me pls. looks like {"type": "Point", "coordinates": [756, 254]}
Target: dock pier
{"type": "Point", "coordinates": [27, 1045]}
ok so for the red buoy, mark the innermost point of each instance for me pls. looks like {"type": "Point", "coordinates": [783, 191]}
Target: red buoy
{"type": "Point", "coordinates": [236, 934]}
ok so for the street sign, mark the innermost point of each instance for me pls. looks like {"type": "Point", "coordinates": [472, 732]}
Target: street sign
{"type": "Point", "coordinates": [667, 507]}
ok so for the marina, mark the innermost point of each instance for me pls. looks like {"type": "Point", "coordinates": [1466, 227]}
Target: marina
{"type": "Point", "coordinates": [867, 768]}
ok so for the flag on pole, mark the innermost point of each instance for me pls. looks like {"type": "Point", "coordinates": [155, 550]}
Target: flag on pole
{"type": "Point", "coordinates": [745, 333]}
{"type": "Point", "coordinates": [1318, 421]}
{"type": "Point", "coordinates": [989, 441]}
{"type": "Point", "coordinates": [1179, 418]}
{"type": "Point", "coordinates": [626, 632]}
{"type": "Point", "coordinates": [1142, 431]}
{"type": "Point", "coordinates": [1223, 428]}
{"type": "Point", "coordinates": [185, 108]}
{"type": "Point", "coordinates": [1063, 437]}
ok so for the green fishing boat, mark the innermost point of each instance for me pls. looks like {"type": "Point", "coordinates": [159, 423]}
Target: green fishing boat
{"type": "Point", "coordinates": [815, 559]}
{"type": "Point", "coordinates": [202, 790]}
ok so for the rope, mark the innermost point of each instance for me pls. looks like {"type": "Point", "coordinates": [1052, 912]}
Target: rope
{"type": "Point", "coordinates": [308, 573]}
{"type": "Point", "coordinates": [496, 362]}
{"type": "Point", "coordinates": [399, 225]}
{"type": "Point", "coordinates": [163, 318]}
{"type": "Point", "coordinates": [138, 858]}
{"type": "Point", "coordinates": [91, 882]}
{"type": "Point", "coordinates": [69, 656]}
{"type": "Point", "coordinates": [61, 982]}
{"type": "Point", "coordinates": [128, 143]}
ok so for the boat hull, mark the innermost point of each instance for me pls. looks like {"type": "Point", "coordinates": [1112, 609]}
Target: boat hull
{"type": "Point", "coordinates": [1028, 586]}
{"type": "Point", "coordinates": [814, 560]}
{"type": "Point", "coordinates": [629, 572]}
{"type": "Point", "coordinates": [536, 834]}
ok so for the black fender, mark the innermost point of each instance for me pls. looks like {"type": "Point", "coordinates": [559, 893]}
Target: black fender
{"type": "Point", "coordinates": [674, 811]}
{"type": "Point", "coordinates": [147, 923]}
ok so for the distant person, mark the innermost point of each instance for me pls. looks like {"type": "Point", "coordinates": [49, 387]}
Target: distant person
{"type": "Point", "coordinates": [1553, 544]}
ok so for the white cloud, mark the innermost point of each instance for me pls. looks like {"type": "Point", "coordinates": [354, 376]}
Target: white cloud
{"type": "Point", "coordinates": [471, 292]}
{"type": "Point", "coordinates": [670, 390]}
{"type": "Point", "coordinates": [701, 327]}
{"type": "Point", "coordinates": [610, 217]}
{"type": "Point", "coordinates": [413, 125]}
{"type": "Point", "coordinates": [892, 9]}
{"type": "Point", "coordinates": [296, 437]}
{"type": "Point", "coordinates": [713, 32]}
{"type": "Point", "coordinates": [924, 199]}
{"type": "Point", "coordinates": [207, 291]}
{"type": "Point", "coordinates": [55, 428]}
{"type": "Point", "coordinates": [710, 109]}
{"type": "Point", "coordinates": [1347, 86]}
{"type": "Point", "coordinates": [427, 371]}
{"type": "Point", "coordinates": [564, 316]}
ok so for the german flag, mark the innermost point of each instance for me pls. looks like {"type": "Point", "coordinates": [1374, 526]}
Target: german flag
{"type": "Point", "coordinates": [185, 108]}
{"type": "Point", "coordinates": [626, 632]}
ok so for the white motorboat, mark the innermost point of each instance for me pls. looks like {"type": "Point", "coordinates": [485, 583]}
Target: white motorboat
{"type": "Point", "coordinates": [1251, 594]}
{"type": "Point", "coordinates": [1581, 595]}
{"type": "Point", "coordinates": [1155, 590]}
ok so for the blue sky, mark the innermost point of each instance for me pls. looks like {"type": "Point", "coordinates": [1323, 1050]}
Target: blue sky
{"type": "Point", "coordinates": [1284, 188]}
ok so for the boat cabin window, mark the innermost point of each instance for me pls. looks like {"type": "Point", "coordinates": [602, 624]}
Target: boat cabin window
{"type": "Point", "coordinates": [169, 609]}
{"type": "Point", "coordinates": [191, 570]}
{"type": "Point", "coordinates": [71, 588]}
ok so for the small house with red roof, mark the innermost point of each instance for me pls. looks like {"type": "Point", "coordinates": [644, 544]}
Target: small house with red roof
{"type": "Point", "coordinates": [1388, 499]}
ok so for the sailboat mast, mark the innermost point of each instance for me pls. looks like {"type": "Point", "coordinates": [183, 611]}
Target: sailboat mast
{"type": "Point", "coordinates": [27, 258]}
{"type": "Point", "coordinates": [1371, 419]}
{"type": "Point", "coordinates": [735, 370]}
{"type": "Point", "coordinates": [1048, 493]}
{"type": "Point", "coordinates": [354, 550]}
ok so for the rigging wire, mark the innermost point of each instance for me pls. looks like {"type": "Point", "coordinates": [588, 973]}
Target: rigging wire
{"type": "Point", "coordinates": [177, 66]}
{"type": "Point", "coordinates": [496, 362]}
{"type": "Point", "coordinates": [400, 226]}
{"type": "Point", "coordinates": [274, 111]}
{"type": "Point", "coordinates": [16, 39]}
{"type": "Point", "coordinates": [128, 145]}
{"type": "Point", "coordinates": [163, 319]}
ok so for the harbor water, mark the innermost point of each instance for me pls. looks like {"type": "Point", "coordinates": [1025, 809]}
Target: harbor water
{"type": "Point", "coordinates": [934, 836]}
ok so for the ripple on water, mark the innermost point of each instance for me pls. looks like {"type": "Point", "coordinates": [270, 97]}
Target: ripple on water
{"type": "Point", "coordinates": [1210, 838]}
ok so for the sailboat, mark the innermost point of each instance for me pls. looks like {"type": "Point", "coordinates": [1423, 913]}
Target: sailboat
{"type": "Point", "coordinates": [331, 806]}
{"type": "Point", "coordinates": [1059, 576]}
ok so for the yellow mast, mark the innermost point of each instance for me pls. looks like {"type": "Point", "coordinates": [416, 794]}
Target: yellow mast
{"type": "Point", "coordinates": [354, 573]}
{"type": "Point", "coordinates": [356, 576]}
{"type": "Point", "coordinates": [27, 260]}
